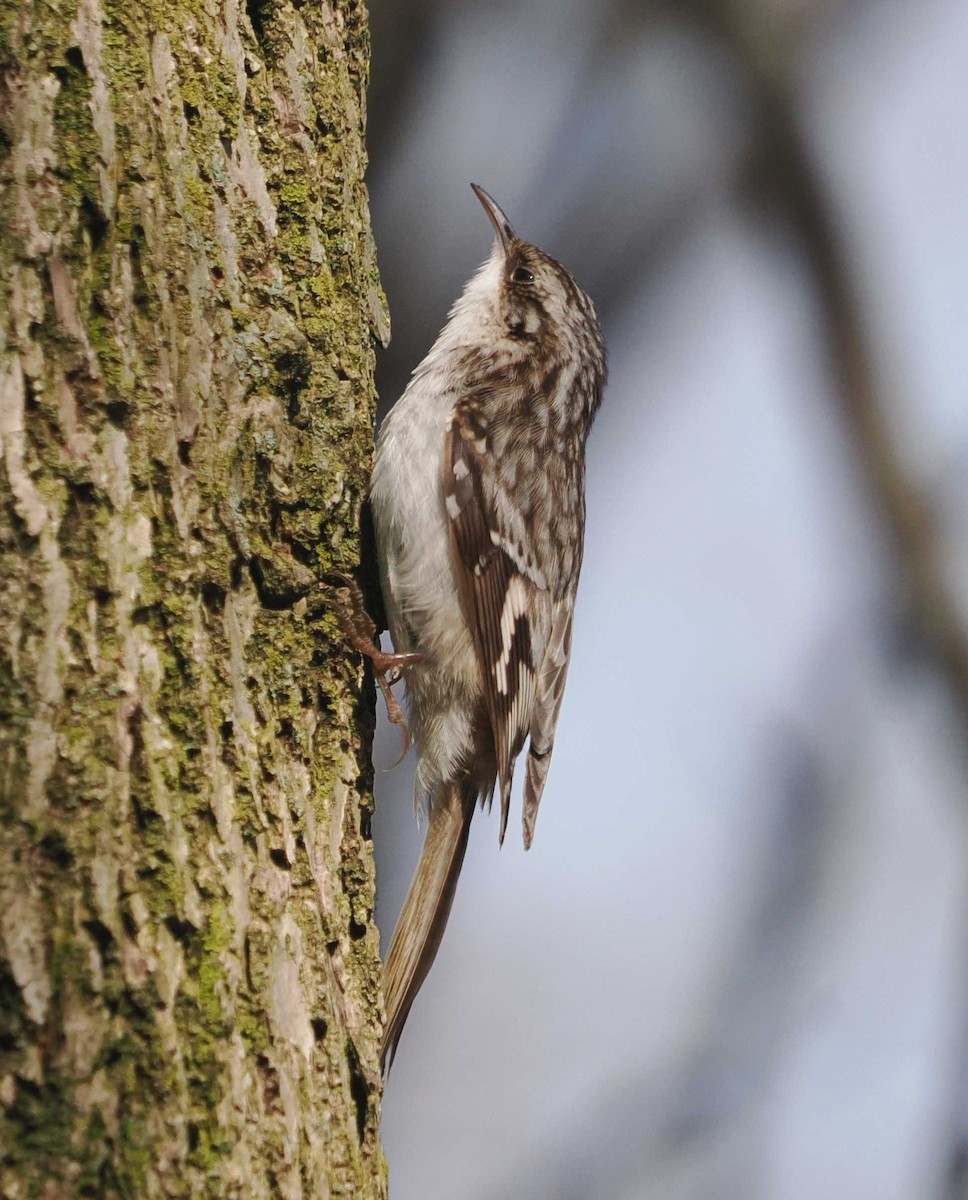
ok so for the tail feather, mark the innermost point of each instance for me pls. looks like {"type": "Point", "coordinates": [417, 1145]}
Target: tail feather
{"type": "Point", "coordinates": [420, 928]}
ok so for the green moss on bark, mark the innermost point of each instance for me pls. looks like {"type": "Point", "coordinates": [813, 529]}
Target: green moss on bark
{"type": "Point", "coordinates": [189, 980]}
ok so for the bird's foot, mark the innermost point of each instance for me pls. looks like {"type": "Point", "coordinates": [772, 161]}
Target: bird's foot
{"type": "Point", "coordinates": [360, 631]}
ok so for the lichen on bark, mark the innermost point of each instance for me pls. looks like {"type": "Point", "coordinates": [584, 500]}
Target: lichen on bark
{"type": "Point", "coordinates": [189, 972]}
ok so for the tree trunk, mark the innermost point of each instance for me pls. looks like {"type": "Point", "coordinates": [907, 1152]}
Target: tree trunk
{"type": "Point", "coordinates": [189, 971]}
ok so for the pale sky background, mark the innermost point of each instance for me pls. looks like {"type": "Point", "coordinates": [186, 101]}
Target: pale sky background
{"type": "Point", "coordinates": [734, 963]}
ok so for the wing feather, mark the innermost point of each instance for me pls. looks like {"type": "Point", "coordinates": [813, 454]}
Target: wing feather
{"type": "Point", "coordinates": [549, 692]}
{"type": "Point", "coordinates": [508, 608]}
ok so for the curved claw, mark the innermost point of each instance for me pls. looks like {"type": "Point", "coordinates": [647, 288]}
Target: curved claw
{"type": "Point", "coordinates": [396, 716]}
{"type": "Point", "coordinates": [361, 632]}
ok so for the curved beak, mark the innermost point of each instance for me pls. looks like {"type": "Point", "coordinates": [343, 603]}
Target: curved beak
{"type": "Point", "coordinates": [502, 226]}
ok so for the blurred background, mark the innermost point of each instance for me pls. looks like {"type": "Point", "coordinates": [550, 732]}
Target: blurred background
{"type": "Point", "coordinates": [735, 964]}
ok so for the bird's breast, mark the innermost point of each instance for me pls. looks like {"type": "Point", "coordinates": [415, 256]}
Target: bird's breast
{"type": "Point", "coordinates": [412, 531]}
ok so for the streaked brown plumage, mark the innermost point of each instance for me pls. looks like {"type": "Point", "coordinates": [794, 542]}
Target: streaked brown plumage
{"type": "Point", "coordinates": [478, 497]}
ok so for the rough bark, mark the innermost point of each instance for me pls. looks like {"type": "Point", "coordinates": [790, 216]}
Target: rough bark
{"type": "Point", "coordinates": [189, 972]}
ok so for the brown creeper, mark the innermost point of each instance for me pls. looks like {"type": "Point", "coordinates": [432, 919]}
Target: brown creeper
{"type": "Point", "coordinates": [478, 497]}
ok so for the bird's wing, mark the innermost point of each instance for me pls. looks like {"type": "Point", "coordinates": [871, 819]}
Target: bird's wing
{"type": "Point", "coordinates": [503, 590]}
{"type": "Point", "coordinates": [549, 692]}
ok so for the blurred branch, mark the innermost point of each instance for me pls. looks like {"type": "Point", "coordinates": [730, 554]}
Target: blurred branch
{"type": "Point", "coordinates": [782, 169]}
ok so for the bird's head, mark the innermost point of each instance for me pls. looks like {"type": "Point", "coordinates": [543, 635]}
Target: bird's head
{"type": "Point", "coordinates": [536, 298]}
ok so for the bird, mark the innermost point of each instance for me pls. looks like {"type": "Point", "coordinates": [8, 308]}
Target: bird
{"type": "Point", "coordinates": [478, 503]}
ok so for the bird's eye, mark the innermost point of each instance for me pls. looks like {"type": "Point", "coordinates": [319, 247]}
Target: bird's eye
{"type": "Point", "coordinates": [523, 275]}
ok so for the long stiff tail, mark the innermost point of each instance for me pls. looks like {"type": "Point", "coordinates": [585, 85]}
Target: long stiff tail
{"type": "Point", "coordinates": [416, 938]}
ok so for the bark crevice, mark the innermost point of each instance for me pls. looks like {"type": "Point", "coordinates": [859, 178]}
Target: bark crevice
{"type": "Point", "coordinates": [189, 971]}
